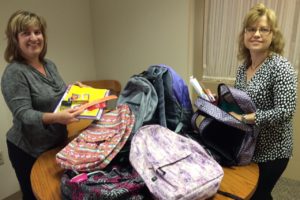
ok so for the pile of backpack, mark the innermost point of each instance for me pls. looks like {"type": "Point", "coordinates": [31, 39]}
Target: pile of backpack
{"type": "Point", "coordinates": [148, 147]}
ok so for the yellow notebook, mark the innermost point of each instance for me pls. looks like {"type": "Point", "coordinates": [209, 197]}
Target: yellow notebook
{"type": "Point", "coordinates": [76, 96]}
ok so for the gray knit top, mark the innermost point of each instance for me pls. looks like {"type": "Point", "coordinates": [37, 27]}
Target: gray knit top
{"type": "Point", "coordinates": [28, 94]}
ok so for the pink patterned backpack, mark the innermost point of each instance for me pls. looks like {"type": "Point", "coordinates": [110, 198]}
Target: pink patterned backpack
{"type": "Point", "coordinates": [99, 143]}
{"type": "Point", "coordinates": [173, 166]}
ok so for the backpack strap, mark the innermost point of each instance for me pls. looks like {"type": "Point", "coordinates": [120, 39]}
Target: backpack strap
{"type": "Point", "coordinates": [155, 75]}
{"type": "Point", "coordinates": [230, 195]}
{"type": "Point", "coordinates": [178, 127]}
{"type": "Point", "coordinates": [195, 116]}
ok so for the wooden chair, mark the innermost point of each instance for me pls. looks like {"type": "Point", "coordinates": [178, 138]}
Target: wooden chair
{"type": "Point", "coordinates": [115, 88]}
{"type": "Point", "coordinates": [113, 85]}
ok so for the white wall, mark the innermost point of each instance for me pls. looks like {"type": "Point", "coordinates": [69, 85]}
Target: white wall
{"type": "Point", "coordinates": [70, 46]}
{"type": "Point", "coordinates": [133, 34]}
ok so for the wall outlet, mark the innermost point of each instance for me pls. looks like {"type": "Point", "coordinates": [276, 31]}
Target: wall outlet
{"type": "Point", "coordinates": [1, 158]}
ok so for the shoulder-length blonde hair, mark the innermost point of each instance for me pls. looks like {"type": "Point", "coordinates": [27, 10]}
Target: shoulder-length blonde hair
{"type": "Point", "coordinates": [20, 21]}
{"type": "Point", "coordinates": [256, 12]}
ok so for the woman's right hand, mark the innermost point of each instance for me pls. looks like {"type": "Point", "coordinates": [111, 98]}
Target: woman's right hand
{"type": "Point", "coordinates": [66, 116]}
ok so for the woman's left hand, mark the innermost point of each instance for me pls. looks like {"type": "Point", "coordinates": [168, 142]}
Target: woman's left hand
{"type": "Point", "coordinates": [235, 115]}
{"type": "Point", "coordinates": [248, 118]}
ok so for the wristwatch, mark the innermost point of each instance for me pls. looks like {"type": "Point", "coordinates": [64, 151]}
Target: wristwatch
{"type": "Point", "coordinates": [243, 119]}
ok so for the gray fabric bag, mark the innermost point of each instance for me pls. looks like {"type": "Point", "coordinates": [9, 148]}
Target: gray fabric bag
{"type": "Point", "coordinates": [141, 97]}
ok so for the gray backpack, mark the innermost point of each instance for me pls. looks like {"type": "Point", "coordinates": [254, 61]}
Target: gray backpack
{"type": "Point", "coordinates": [140, 95]}
{"type": "Point", "coordinates": [159, 95]}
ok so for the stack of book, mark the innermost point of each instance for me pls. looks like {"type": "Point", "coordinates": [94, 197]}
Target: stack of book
{"type": "Point", "coordinates": [76, 96]}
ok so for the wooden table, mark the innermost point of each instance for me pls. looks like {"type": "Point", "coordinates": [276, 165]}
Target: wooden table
{"type": "Point", "coordinates": [46, 174]}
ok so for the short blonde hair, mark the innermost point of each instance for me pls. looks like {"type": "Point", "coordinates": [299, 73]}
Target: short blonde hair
{"type": "Point", "coordinates": [20, 21]}
{"type": "Point", "coordinates": [256, 12]}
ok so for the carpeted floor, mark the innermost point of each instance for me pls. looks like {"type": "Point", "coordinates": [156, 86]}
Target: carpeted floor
{"type": "Point", "coordinates": [286, 189]}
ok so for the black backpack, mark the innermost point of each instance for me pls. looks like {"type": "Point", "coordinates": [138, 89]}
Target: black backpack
{"type": "Point", "coordinates": [230, 141]}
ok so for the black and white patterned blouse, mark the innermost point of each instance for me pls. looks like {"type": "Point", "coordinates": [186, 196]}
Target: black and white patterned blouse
{"type": "Point", "coordinates": [273, 90]}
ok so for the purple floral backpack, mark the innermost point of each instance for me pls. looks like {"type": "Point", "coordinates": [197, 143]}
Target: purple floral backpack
{"type": "Point", "coordinates": [173, 166]}
{"type": "Point", "coordinates": [230, 141]}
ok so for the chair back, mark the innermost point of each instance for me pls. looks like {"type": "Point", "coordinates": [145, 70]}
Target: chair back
{"type": "Point", "coordinates": [113, 85]}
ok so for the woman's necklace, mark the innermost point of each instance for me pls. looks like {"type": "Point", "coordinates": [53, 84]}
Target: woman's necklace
{"type": "Point", "coordinates": [255, 67]}
{"type": "Point", "coordinates": [260, 60]}
{"type": "Point", "coordinates": [252, 70]}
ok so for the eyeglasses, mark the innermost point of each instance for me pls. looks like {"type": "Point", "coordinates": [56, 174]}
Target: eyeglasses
{"type": "Point", "coordinates": [262, 31]}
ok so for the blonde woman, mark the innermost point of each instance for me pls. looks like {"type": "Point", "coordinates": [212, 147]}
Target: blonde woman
{"type": "Point", "coordinates": [270, 80]}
